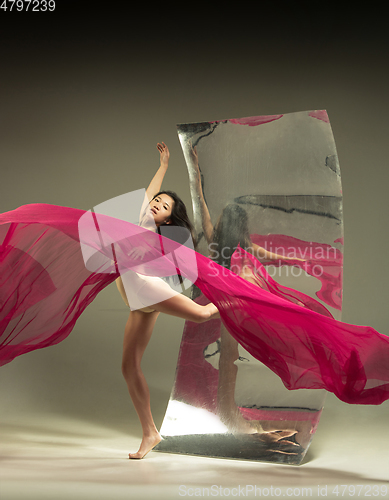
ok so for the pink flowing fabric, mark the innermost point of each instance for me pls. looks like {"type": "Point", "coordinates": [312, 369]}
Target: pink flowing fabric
{"type": "Point", "coordinates": [322, 261]}
{"type": "Point", "coordinates": [45, 286]}
{"type": "Point", "coordinates": [253, 121]}
{"type": "Point", "coordinates": [196, 379]}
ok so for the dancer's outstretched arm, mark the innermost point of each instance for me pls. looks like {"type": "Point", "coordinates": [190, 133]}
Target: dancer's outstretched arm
{"type": "Point", "coordinates": [205, 216]}
{"type": "Point", "coordinates": [185, 308]}
{"type": "Point", "coordinates": [262, 253]}
{"type": "Point", "coordinates": [156, 182]}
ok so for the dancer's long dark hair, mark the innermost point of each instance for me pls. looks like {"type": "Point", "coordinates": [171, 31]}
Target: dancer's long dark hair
{"type": "Point", "coordinates": [230, 231]}
{"type": "Point", "coordinates": [178, 217]}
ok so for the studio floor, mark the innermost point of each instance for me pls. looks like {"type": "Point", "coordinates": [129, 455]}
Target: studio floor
{"type": "Point", "coordinates": [48, 455]}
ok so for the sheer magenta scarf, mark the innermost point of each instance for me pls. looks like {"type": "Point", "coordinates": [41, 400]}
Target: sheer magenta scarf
{"type": "Point", "coordinates": [46, 285]}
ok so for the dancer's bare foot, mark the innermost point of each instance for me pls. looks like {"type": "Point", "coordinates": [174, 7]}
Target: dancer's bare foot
{"type": "Point", "coordinates": [303, 428]}
{"type": "Point", "coordinates": [284, 452]}
{"type": "Point", "coordinates": [147, 444]}
{"type": "Point", "coordinates": [276, 436]}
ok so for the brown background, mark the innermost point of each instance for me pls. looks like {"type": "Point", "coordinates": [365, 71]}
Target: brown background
{"type": "Point", "coordinates": [85, 96]}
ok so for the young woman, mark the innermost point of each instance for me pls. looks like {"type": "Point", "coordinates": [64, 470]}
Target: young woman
{"type": "Point", "coordinates": [166, 208]}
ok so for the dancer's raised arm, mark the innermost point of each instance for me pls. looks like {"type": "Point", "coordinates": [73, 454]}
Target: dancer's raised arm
{"type": "Point", "coordinates": [200, 200]}
{"type": "Point", "coordinates": [262, 253]}
{"type": "Point", "coordinates": [156, 182]}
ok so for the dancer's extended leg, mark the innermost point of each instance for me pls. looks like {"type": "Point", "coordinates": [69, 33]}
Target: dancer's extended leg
{"type": "Point", "coordinates": [228, 410]}
{"type": "Point", "coordinates": [137, 334]}
{"type": "Point", "coordinates": [183, 307]}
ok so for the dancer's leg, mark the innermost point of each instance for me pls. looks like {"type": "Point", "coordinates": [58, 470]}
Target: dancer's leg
{"type": "Point", "coordinates": [228, 410]}
{"type": "Point", "coordinates": [183, 307]}
{"type": "Point", "coordinates": [137, 334]}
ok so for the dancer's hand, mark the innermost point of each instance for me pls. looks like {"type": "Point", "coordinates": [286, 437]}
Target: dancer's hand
{"type": "Point", "coordinates": [164, 154]}
{"type": "Point", "coordinates": [137, 253]}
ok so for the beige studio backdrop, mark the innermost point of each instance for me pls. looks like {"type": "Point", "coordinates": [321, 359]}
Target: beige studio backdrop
{"type": "Point", "coordinates": [80, 119]}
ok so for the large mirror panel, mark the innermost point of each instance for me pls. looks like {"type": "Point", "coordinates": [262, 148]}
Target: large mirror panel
{"type": "Point", "coordinates": [270, 185]}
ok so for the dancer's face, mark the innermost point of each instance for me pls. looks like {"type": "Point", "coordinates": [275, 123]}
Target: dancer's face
{"type": "Point", "coordinates": [161, 208]}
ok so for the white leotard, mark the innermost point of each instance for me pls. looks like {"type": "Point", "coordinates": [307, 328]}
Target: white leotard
{"type": "Point", "coordinates": [139, 291]}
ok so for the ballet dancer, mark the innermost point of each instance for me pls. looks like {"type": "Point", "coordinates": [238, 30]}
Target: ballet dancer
{"type": "Point", "coordinates": [166, 208]}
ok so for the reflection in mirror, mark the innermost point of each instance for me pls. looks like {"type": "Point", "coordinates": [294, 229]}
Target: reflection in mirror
{"type": "Point", "coordinates": [271, 186]}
